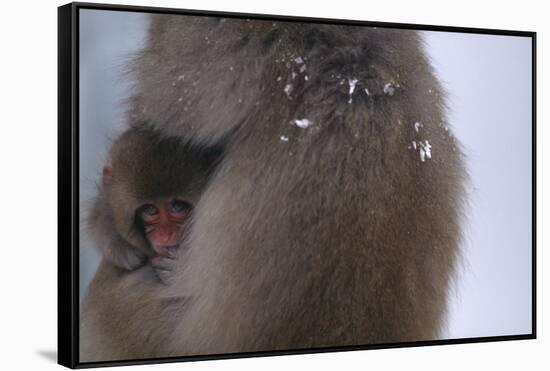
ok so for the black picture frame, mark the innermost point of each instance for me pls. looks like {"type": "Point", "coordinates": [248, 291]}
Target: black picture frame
{"type": "Point", "coordinates": [68, 182]}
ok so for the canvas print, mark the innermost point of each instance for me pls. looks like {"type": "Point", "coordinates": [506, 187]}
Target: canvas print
{"type": "Point", "coordinates": [282, 185]}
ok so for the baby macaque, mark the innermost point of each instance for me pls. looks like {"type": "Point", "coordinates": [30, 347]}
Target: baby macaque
{"type": "Point", "coordinates": [148, 190]}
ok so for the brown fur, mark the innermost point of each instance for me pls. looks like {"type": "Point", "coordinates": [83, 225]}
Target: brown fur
{"type": "Point", "coordinates": [145, 168]}
{"type": "Point", "coordinates": [103, 308]}
{"type": "Point", "coordinates": [340, 235]}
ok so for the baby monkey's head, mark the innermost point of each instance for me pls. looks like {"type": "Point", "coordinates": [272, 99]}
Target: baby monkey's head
{"type": "Point", "coordinates": [151, 184]}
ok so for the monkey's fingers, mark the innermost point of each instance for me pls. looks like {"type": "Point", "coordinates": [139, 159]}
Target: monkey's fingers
{"type": "Point", "coordinates": [163, 267]}
{"type": "Point", "coordinates": [125, 257]}
{"type": "Point", "coordinates": [171, 252]}
{"type": "Point", "coordinates": [165, 251]}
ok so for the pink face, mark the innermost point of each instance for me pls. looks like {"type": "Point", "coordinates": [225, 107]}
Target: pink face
{"type": "Point", "coordinates": [163, 222]}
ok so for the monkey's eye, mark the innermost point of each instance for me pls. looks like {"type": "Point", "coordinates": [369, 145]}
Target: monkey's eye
{"type": "Point", "coordinates": [148, 210]}
{"type": "Point", "coordinates": [179, 206]}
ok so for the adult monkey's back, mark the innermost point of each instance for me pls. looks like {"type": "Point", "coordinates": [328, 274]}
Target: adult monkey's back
{"type": "Point", "coordinates": [334, 217]}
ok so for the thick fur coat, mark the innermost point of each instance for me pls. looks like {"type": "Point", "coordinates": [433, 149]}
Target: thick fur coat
{"type": "Point", "coordinates": [333, 217]}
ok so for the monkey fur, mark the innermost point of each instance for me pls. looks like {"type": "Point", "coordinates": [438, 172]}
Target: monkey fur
{"type": "Point", "coordinates": [144, 167]}
{"type": "Point", "coordinates": [333, 216]}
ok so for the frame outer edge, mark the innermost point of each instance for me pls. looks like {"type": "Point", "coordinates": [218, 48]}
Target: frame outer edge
{"type": "Point", "coordinates": [68, 204]}
{"type": "Point", "coordinates": [67, 342]}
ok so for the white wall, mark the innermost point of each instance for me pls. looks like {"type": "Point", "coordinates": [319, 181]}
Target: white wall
{"type": "Point", "coordinates": [28, 159]}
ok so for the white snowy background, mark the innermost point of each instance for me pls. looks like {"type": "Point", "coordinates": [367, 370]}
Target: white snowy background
{"type": "Point", "coordinates": [488, 79]}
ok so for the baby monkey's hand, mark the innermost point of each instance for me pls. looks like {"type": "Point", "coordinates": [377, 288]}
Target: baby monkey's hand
{"type": "Point", "coordinates": [164, 263]}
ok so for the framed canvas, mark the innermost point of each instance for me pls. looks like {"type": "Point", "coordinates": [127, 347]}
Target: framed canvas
{"type": "Point", "coordinates": [237, 185]}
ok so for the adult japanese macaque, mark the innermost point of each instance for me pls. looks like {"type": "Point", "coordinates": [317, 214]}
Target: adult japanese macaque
{"type": "Point", "coordinates": [144, 204]}
{"type": "Point", "coordinates": [333, 217]}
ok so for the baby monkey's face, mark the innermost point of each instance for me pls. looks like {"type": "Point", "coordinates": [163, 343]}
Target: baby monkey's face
{"type": "Point", "coordinates": [163, 222]}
